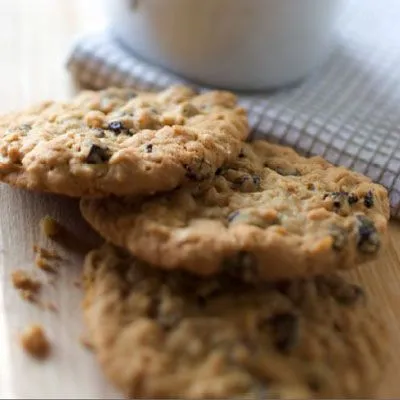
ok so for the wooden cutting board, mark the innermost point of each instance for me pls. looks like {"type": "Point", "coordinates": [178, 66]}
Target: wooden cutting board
{"type": "Point", "coordinates": [34, 39]}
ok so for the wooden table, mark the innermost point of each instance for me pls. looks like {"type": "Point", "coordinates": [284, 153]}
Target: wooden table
{"type": "Point", "coordinates": [34, 39]}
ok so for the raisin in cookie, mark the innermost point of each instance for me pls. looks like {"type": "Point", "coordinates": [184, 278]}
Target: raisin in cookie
{"type": "Point", "coordinates": [121, 142]}
{"type": "Point", "coordinates": [260, 213]}
{"type": "Point", "coordinates": [170, 334]}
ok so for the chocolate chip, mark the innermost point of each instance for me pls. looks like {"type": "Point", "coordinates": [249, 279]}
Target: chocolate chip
{"type": "Point", "coordinates": [310, 186]}
{"type": "Point", "coordinates": [368, 240]}
{"type": "Point", "coordinates": [369, 199]}
{"type": "Point", "coordinates": [98, 155]}
{"type": "Point", "coordinates": [339, 199]}
{"type": "Point", "coordinates": [349, 295]}
{"type": "Point", "coordinates": [231, 217]}
{"type": "Point", "coordinates": [284, 330]}
{"type": "Point", "coordinates": [191, 174]}
{"type": "Point", "coordinates": [149, 148]}
{"type": "Point", "coordinates": [241, 154]}
{"type": "Point", "coordinates": [256, 180]}
{"type": "Point", "coordinates": [218, 171]}
{"type": "Point", "coordinates": [116, 126]}
{"type": "Point", "coordinates": [242, 266]}
{"type": "Point", "coordinates": [352, 199]}
{"type": "Point", "coordinates": [339, 236]}
{"type": "Point", "coordinates": [198, 172]}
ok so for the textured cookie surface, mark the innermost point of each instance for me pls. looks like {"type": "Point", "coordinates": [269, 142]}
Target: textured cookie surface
{"type": "Point", "coordinates": [160, 334]}
{"type": "Point", "coordinates": [265, 210]}
{"type": "Point", "coordinates": [121, 142]}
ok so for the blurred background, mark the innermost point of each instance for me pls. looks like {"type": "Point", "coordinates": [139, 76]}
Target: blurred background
{"type": "Point", "coordinates": [35, 38]}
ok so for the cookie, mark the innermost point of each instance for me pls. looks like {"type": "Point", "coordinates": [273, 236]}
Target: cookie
{"type": "Point", "coordinates": [171, 334]}
{"type": "Point", "coordinates": [260, 213]}
{"type": "Point", "coordinates": [120, 142]}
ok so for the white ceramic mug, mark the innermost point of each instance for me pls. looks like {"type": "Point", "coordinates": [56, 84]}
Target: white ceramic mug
{"type": "Point", "coordinates": [237, 44]}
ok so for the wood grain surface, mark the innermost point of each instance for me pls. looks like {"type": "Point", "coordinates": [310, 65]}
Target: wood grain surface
{"type": "Point", "coordinates": [34, 39]}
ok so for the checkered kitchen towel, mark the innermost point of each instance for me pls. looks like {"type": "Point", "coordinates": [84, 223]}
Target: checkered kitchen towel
{"type": "Point", "coordinates": [347, 112]}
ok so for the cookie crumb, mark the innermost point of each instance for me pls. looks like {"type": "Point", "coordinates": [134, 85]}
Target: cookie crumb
{"type": "Point", "coordinates": [43, 264]}
{"type": "Point", "coordinates": [27, 286]}
{"type": "Point", "coordinates": [46, 253]}
{"type": "Point", "coordinates": [22, 280]}
{"type": "Point", "coordinates": [50, 227]}
{"type": "Point", "coordinates": [34, 341]}
{"type": "Point", "coordinates": [42, 259]}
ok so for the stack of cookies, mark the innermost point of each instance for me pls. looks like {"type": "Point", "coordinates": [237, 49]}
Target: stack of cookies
{"type": "Point", "coordinates": [218, 278]}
